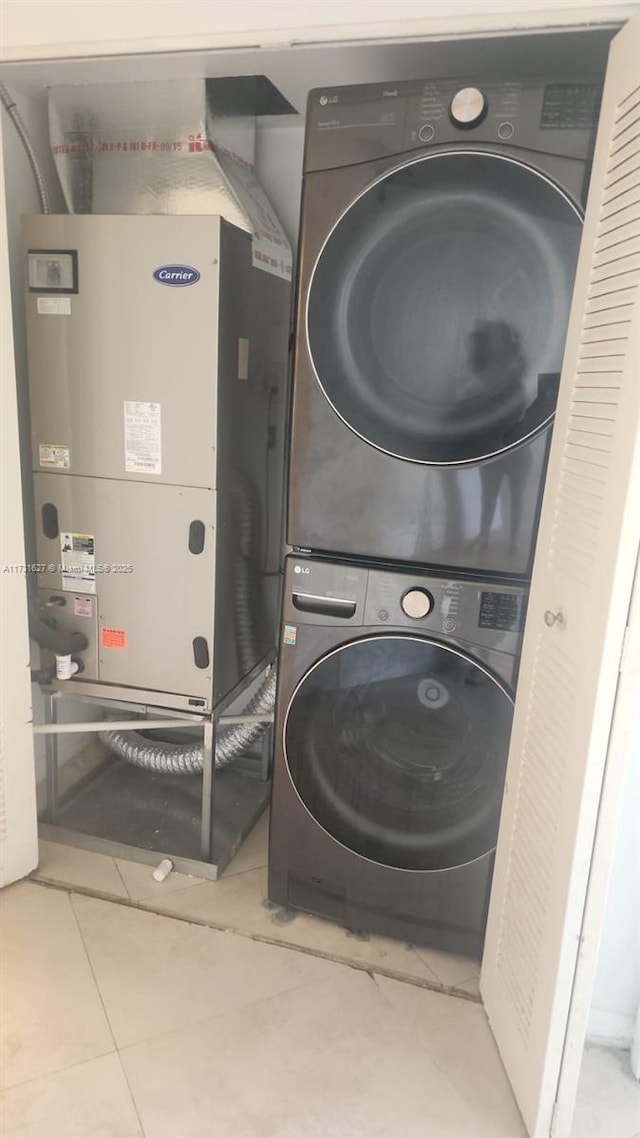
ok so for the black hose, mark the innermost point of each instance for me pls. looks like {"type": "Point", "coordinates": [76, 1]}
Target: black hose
{"type": "Point", "coordinates": [60, 643]}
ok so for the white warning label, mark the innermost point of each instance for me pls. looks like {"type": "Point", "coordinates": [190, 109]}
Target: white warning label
{"type": "Point", "coordinates": [54, 456]}
{"type": "Point", "coordinates": [78, 562]}
{"type": "Point", "coordinates": [142, 438]}
{"type": "Point", "coordinates": [82, 606]}
{"type": "Point", "coordinates": [54, 306]}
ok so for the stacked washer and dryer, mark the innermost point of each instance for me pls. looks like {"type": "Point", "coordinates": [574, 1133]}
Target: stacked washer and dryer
{"type": "Point", "coordinates": [440, 230]}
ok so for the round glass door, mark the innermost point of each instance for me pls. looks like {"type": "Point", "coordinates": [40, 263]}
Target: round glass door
{"type": "Point", "coordinates": [397, 747]}
{"type": "Point", "coordinates": [438, 307]}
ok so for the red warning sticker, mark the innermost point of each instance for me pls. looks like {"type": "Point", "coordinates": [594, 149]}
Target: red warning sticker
{"type": "Point", "coordinates": [113, 638]}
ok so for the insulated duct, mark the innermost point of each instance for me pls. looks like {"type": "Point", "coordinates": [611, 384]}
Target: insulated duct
{"type": "Point", "coordinates": [187, 758]}
{"type": "Point", "coordinates": [179, 147]}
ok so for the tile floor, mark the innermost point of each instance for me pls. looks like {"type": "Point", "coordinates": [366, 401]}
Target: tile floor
{"type": "Point", "coordinates": [238, 902]}
{"type": "Point", "coordinates": [608, 1103]}
{"type": "Point", "coordinates": [123, 1023]}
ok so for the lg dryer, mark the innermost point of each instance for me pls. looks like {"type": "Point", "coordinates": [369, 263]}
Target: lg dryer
{"type": "Point", "coordinates": [440, 230]}
{"type": "Point", "coordinates": [392, 729]}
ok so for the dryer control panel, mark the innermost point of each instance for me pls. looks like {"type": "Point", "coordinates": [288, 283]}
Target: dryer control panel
{"type": "Point", "coordinates": [483, 614]}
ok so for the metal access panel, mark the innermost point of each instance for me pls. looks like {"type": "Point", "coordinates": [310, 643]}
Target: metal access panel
{"type": "Point", "coordinates": [123, 331]}
{"type": "Point", "coordinates": [157, 376]}
{"type": "Point", "coordinates": [139, 561]}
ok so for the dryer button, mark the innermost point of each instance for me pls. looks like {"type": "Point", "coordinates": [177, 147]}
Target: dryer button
{"type": "Point", "coordinates": [416, 603]}
{"type": "Point", "coordinates": [426, 132]}
{"type": "Point", "coordinates": [505, 130]}
{"type": "Point", "coordinates": [468, 107]}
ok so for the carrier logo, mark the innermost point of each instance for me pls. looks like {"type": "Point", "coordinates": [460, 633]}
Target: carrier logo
{"type": "Point", "coordinates": [178, 276]}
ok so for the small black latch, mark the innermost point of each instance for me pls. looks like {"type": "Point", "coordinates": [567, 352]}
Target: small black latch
{"type": "Point", "coordinates": [201, 652]}
{"type": "Point", "coordinates": [50, 520]}
{"type": "Point", "coordinates": [196, 537]}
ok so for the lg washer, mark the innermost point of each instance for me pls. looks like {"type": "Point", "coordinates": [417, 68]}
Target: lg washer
{"type": "Point", "coordinates": [440, 229]}
{"type": "Point", "coordinates": [393, 717]}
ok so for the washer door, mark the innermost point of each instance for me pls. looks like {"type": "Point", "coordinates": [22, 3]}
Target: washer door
{"type": "Point", "coordinates": [438, 307]}
{"type": "Point", "coordinates": [397, 747]}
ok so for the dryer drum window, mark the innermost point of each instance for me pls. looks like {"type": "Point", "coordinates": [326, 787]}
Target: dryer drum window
{"type": "Point", "coordinates": [438, 307]}
{"type": "Point", "coordinates": [397, 746]}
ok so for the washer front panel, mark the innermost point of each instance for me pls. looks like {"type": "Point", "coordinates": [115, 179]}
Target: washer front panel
{"type": "Point", "coordinates": [397, 746]}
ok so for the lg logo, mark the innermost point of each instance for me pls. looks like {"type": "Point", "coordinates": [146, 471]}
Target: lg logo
{"type": "Point", "coordinates": [324, 99]}
{"type": "Point", "coordinates": [301, 569]}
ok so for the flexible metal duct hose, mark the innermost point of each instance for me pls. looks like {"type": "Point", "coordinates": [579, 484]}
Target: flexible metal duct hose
{"type": "Point", "coordinates": [231, 742]}
{"type": "Point", "coordinates": [244, 593]}
{"type": "Point", "coordinates": [16, 118]}
{"type": "Point", "coordinates": [187, 758]}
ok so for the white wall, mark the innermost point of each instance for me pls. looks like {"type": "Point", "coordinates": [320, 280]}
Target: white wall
{"type": "Point", "coordinates": [22, 198]}
{"type": "Point", "coordinates": [18, 838]}
{"type": "Point", "coordinates": [40, 29]}
{"type": "Point", "coordinates": [616, 995]}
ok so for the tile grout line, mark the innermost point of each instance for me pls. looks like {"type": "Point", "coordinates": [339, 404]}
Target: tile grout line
{"type": "Point", "coordinates": [131, 1094]}
{"type": "Point", "coordinates": [5, 1088]}
{"type": "Point", "coordinates": [150, 1040]}
{"type": "Point", "coordinates": [90, 891]}
{"type": "Point", "coordinates": [226, 876]}
{"type": "Point", "coordinates": [124, 884]}
{"type": "Point", "coordinates": [416, 1036]}
{"type": "Point", "coordinates": [56, 1071]}
{"type": "Point", "coordinates": [467, 979]}
{"type": "Point", "coordinates": [432, 1057]}
{"type": "Point", "coordinates": [116, 1049]}
{"type": "Point", "coordinates": [262, 938]}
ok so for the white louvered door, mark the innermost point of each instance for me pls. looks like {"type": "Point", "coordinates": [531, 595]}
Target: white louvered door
{"type": "Point", "coordinates": [579, 601]}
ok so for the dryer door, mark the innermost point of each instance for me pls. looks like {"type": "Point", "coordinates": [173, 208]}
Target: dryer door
{"type": "Point", "coordinates": [397, 746]}
{"type": "Point", "coordinates": [438, 307]}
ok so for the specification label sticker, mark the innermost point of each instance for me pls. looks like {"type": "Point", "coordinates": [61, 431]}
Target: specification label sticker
{"type": "Point", "coordinates": [142, 438]}
{"type": "Point", "coordinates": [78, 562]}
{"type": "Point", "coordinates": [54, 456]}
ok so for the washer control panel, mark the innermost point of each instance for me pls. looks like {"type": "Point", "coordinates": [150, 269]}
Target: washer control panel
{"type": "Point", "coordinates": [498, 610]}
{"type": "Point", "coordinates": [446, 107]}
{"type": "Point", "coordinates": [324, 593]}
{"type": "Point", "coordinates": [468, 107]}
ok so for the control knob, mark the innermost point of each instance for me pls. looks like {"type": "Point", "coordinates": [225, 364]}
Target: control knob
{"type": "Point", "coordinates": [416, 603]}
{"type": "Point", "coordinates": [468, 107]}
